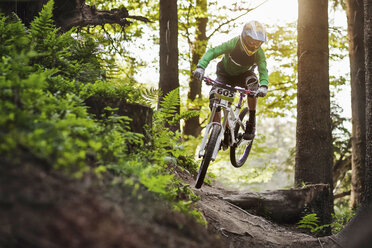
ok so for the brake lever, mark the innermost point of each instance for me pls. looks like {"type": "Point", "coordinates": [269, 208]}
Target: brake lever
{"type": "Point", "coordinates": [208, 81]}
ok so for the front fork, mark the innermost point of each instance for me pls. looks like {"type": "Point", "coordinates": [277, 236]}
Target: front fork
{"type": "Point", "coordinates": [207, 131]}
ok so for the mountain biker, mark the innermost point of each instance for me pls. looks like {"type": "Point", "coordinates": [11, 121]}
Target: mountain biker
{"type": "Point", "coordinates": [241, 55]}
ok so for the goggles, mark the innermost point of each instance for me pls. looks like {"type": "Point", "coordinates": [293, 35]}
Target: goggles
{"type": "Point", "coordinates": [250, 45]}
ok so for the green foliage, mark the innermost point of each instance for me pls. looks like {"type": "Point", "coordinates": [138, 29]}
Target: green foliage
{"type": "Point", "coordinates": [151, 96]}
{"type": "Point", "coordinates": [338, 43]}
{"type": "Point", "coordinates": [158, 184]}
{"type": "Point", "coordinates": [41, 111]}
{"type": "Point", "coordinates": [340, 220]}
{"type": "Point", "coordinates": [310, 221]}
{"type": "Point", "coordinates": [45, 78]}
{"type": "Point", "coordinates": [169, 107]}
{"type": "Point", "coordinates": [12, 36]}
{"type": "Point", "coordinates": [73, 56]}
{"type": "Point", "coordinates": [339, 3]}
{"type": "Point", "coordinates": [170, 104]}
{"type": "Point", "coordinates": [281, 51]}
{"type": "Point", "coordinates": [115, 88]}
{"type": "Point", "coordinates": [43, 26]}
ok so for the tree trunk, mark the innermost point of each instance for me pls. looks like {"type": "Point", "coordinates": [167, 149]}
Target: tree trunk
{"type": "Point", "coordinates": [168, 20]}
{"type": "Point", "coordinates": [367, 193]}
{"type": "Point", "coordinates": [356, 52]}
{"type": "Point", "coordinates": [358, 232]}
{"type": "Point", "coordinates": [313, 133]}
{"type": "Point", "coordinates": [192, 125]}
{"type": "Point", "coordinates": [282, 206]}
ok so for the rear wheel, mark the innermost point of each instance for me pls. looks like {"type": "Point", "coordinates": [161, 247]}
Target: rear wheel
{"type": "Point", "coordinates": [239, 152]}
{"type": "Point", "coordinates": [214, 133]}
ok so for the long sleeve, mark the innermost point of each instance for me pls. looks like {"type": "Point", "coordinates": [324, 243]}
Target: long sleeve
{"type": "Point", "coordinates": [214, 52]}
{"type": "Point", "coordinates": [262, 69]}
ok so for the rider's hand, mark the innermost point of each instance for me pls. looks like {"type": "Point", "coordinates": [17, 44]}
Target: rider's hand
{"type": "Point", "coordinates": [262, 91]}
{"type": "Point", "coordinates": [198, 73]}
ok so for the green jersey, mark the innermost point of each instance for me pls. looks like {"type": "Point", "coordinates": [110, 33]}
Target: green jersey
{"type": "Point", "coordinates": [235, 60]}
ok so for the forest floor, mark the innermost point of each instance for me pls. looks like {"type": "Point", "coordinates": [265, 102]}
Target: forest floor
{"type": "Point", "coordinates": [241, 229]}
{"type": "Point", "coordinates": [40, 207]}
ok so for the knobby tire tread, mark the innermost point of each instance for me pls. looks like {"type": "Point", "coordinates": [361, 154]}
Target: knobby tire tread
{"type": "Point", "coordinates": [235, 163]}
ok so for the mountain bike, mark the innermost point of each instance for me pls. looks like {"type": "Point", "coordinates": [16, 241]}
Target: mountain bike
{"type": "Point", "coordinates": [229, 133]}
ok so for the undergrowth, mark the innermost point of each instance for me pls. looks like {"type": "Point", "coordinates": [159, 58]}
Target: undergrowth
{"type": "Point", "coordinates": [46, 76]}
{"type": "Point", "coordinates": [310, 222]}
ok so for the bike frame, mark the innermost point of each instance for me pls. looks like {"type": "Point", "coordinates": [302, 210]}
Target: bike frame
{"type": "Point", "coordinates": [230, 119]}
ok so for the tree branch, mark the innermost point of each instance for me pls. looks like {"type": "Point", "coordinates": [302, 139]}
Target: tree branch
{"type": "Point", "coordinates": [188, 35]}
{"type": "Point", "coordinates": [342, 194]}
{"type": "Point", "coordinates": [234, 19]}
{"type": "Point", "coordinates": [78, 14]}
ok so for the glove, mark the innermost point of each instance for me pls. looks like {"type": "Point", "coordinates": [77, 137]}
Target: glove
{"type": "Point", "coordinates": [198, 73]}
{"type": "Point", "coordinates": [262, 91]}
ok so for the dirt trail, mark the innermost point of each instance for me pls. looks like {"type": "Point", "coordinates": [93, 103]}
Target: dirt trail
{"type": "Point", "coordinates": [242, 229]}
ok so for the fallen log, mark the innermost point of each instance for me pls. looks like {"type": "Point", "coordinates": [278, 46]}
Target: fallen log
{"type": "Point", "coordinates": [283, 206]}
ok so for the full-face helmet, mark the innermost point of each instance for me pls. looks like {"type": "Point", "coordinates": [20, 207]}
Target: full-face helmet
{"type": "Point", "coordinates": [252, 37]}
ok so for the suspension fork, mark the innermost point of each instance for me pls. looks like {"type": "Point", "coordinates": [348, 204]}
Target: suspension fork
{"type": "Point", "coordinates": [207, 129]}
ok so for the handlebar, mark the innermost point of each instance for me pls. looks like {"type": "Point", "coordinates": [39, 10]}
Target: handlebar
{"type": "Point", "coordinates": [210, 81]}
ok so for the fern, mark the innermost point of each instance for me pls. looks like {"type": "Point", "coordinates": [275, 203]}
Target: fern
{"type": "Point", "coordinates": [84, 51]}
{"type": "Point", "coordinates": [49, 46]}
{"type": "Point", "coordinates": [310, 221]}
{"type": "Point", "coordinates": [170, 104]}
{"type": "Point", "coordinates": [169, 107]}
{"type": "Point", "coordinates": [184, 116]}
{"type": "Point", "coordinates": [12, 36]}
{"type": "Point", "coordinates": [150, 96]}
{"type": "Point", "coordinates": [43, 25]}
{"type": "Point", "coordinates": [84, 48]}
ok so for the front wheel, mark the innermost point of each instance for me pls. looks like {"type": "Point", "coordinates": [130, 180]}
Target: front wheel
{"type": "Point", "coordinates": [216, 129]}
{"type": "Point", "coordinates": [240, 150]}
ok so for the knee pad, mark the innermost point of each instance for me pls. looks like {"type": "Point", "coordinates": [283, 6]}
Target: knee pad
{"type": "Point", "coordinates": [251, 82]}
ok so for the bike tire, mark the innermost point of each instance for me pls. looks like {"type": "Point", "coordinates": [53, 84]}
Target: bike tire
{"type": "Point", "coordinates": [216, 129]}
{"type": "Point", "coordinates": [239, 154]}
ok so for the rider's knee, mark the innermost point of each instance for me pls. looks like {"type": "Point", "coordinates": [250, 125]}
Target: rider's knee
{"type": "Point", "coordinates": [251, 82]}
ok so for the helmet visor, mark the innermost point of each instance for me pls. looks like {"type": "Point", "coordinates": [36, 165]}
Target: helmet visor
{"type": "Point", "coordinates": [251, 45]}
